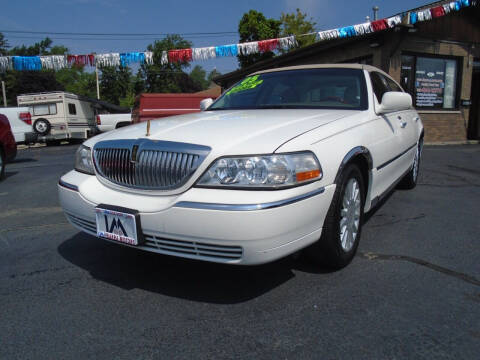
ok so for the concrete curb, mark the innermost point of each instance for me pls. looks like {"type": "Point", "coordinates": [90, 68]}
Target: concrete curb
{"type": "Point", "coordinates": [463, 142]}
{"type": "Point", "coordinates": [37, 145]}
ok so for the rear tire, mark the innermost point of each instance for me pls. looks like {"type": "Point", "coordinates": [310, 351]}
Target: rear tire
{"type": "Point", "coordinates": [343, 224]}
{"type": "Point", "coordinates": [42, 127]}
{"type": "Point", "coordinates": [2, 164]}
{"type": "Point", "coordinates": [410, 180]}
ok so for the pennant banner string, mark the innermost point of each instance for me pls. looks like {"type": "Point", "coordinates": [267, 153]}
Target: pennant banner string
{"type": "Point", "coordinates": [57, 62]}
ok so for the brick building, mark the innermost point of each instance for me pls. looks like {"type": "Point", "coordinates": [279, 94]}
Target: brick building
{"type": "Point", "coordinates": [443, 52]}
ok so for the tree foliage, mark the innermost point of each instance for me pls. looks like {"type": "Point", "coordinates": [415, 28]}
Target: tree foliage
{"type": "Point", "coordinates": [170, 77]}
{"type": "Point", "coordinates": [43, 47]}
{"type": "Point", "coordinates": [198, 75]}
{"type": "Point", "coordinates": [77, 81]}
{"type": "Point", "coordinates": [212, 75]}
{"type": "Point", "coordinates": [298, 24]}
{"type": "Point", "coordinates": [3, 45]}
{"type": "Point", "coordinates": [116, 84]}
{"type": "Point", "coordinates": [254, 26]}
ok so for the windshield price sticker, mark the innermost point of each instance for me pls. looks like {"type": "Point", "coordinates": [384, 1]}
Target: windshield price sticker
{"type": "Point", "coordinates": [249, 83]}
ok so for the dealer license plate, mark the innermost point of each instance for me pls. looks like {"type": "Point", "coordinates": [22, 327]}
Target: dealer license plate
{"type": "Point", "coordinates": [118, 224]}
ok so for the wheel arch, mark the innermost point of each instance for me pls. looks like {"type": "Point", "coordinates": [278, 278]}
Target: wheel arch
{"type": "Point", "coordinates": [360, 156]}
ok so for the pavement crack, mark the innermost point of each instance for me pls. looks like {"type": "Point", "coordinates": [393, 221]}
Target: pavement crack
{"type": "Point", "coordinates": [467, 170]}
{"type": "Point", "coordinates": [42, 271]}
{"type": "Point", "coordinates": [421, 216]}
{"type": "Point", "coordinates": [458, 275]}
{"type": "Point", "coordinates": [449, 185]}
{"type": "Point", "coordinates": [33, 227]}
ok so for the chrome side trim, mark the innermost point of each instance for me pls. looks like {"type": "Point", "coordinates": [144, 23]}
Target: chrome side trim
{"type": "Point", "coordinates": [67, 185]}
{"type": "Point", "coordinates": [396, 157]}
{"type": "Point", "coordinates": [247, 207]}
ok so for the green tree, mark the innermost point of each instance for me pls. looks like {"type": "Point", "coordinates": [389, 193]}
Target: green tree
{"type": "Point", "coordinates": [170, 77]}
{"type": "Point", "coordinates": [254, 26]}
{"type": "Point", "coordinates": [212, 75]}
{"type": "Point", "coordinates": [198, 75]}
{"type": "Point", "coordinates": [115, 83]}
{"type": "Point", "coordinates": [43, 47]}
{"type": "Point", "coordinates": [21, 82]}
{"type": "Point", "coordinates": [77, 81]}
{"type": "Point", "coordinates": [298, 24]}
{"type": "Point", "coordinates": [3, 45]}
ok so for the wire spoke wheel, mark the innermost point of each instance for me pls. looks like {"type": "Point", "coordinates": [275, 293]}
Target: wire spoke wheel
{"type": "Point", "coordinates": [350, 215]}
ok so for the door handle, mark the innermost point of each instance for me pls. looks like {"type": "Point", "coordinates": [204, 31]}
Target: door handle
{"type": "Point", "coordinates": [402, 123]}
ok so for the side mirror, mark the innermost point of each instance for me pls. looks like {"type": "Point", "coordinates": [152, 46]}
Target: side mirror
{"type": "Point", "coordinates": [205, 103]}
{"type": "Point", "coordinates": [395, 101]}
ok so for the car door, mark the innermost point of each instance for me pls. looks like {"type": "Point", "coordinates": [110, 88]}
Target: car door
{"type": "Point", "coordinates": [392, 161]}
{"type": "Point", "coordinates": [407, 119]}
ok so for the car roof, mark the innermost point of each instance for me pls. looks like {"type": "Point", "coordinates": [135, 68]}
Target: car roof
{"type": "Point", "coordinates": [322, 66]}
{"type": "Point", "coordinates": [368, 68]}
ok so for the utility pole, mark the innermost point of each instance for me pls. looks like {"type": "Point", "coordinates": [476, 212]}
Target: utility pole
{"type": "Point", "coordinates": [4, 94]}
{"type": "Point", "coordinates": [98, 86]}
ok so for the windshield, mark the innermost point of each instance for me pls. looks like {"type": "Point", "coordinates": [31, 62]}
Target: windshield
{"type": "Point", "coordinates": [327, 88]}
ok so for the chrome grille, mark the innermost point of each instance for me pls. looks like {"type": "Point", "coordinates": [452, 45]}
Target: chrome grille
{"type": "Point", "coordinates": [148, 164]}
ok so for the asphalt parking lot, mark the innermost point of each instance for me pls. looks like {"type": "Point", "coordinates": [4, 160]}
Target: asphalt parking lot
{"type": "Point", "coordinates": [412, 292]}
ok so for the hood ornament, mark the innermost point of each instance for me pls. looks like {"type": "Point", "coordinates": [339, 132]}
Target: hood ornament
{"type": "Point", "coordinates": [148, 128]}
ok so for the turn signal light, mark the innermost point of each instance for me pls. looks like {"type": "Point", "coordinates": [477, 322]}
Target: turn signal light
{"type": "Point", "coordinates": [307, 175]}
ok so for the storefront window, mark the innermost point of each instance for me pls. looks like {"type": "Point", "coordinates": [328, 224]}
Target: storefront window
{"type": "Point", "coordinates": [431, 81]}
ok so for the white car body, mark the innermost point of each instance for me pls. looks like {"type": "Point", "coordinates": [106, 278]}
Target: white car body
{"type": "Point", "coordinates": [22, 132]}
{"type": "Point", "coordinates": [108, 122]}
{"type": "Point", "coordinates": [239, 226]}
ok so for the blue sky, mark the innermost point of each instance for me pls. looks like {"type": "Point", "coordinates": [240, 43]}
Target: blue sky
{"type": "Point", "coordinates": [171, 16]}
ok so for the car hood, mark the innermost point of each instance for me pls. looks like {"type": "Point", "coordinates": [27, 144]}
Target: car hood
{"type": "Point", "coordinates": [231, 132]}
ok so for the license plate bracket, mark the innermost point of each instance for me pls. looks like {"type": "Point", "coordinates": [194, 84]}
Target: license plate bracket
{"type": "Point", "coordinates": [119, 224]}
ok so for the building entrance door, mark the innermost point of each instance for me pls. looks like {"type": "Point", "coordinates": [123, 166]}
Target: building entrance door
{"type": "Point", "coordinates": [474, 118]}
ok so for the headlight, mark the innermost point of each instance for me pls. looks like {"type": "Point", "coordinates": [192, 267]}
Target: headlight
{"type": "Point", "coordinates": [262, 171]}
{"type": "Point", "coordinates": [83, 160]}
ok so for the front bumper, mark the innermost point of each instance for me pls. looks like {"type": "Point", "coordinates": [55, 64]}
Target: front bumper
{"type": "Point", "coordinates": [200, 224]}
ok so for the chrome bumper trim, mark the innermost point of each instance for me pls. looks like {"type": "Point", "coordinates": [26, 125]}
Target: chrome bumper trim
{"type": "Point", "coordinates": [67, 185]}
{"type": "Point", "coordinates": [247, 207]}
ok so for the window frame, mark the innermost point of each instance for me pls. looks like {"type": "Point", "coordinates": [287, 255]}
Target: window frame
{"type": "Point", "coordinates": [458, 80]}
{"type": "Point", "coordinates": [48, 107]}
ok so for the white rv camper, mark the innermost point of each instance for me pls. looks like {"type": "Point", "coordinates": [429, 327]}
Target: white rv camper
{"type": "Point", "coordinates": [60, 115]}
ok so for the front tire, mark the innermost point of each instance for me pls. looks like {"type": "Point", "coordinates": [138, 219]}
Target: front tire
{"type": "Point", "coordinates": [343, 224]}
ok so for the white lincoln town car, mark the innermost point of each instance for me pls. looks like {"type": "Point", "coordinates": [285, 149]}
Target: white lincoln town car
{"type": "Point", "coordinates": [286, 159]}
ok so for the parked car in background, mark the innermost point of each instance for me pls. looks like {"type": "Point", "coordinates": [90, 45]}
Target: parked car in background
{"type": "Point", "coordinates": [154, 106]}
{"type": "Point", "coordinates": [21, 123]}
{"type": "Point", "coordinates": [8, 147]}
{"type": "Point", "coordinates": [60, 115]}
{"type": "Point", "coordinates": [107, 122]}
{"type": "Point", "coordinates": [286, 159]}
